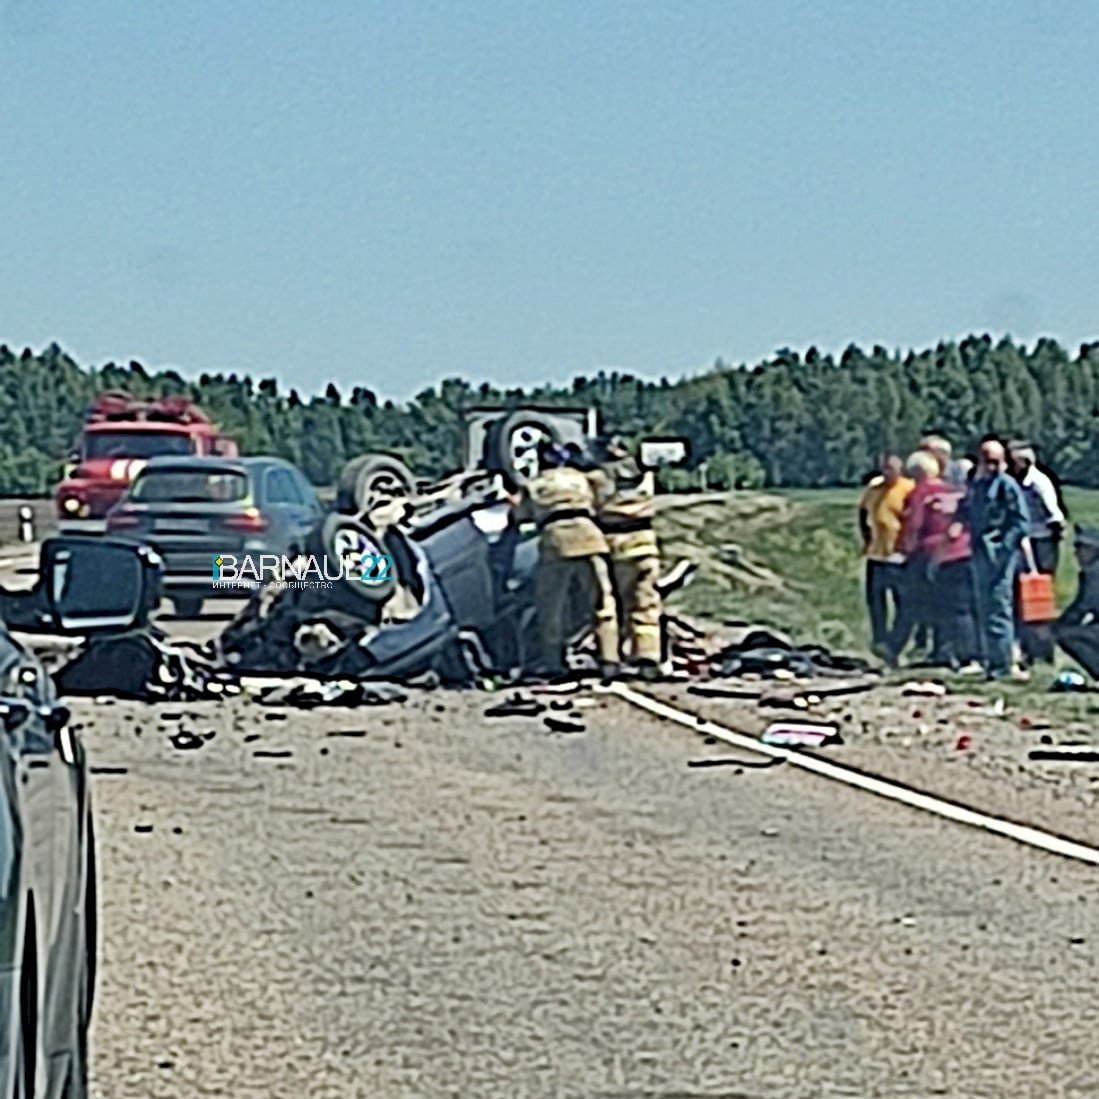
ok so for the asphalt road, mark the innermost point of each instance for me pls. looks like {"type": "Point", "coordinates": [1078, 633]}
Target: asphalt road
{"type": "Point", "coordinates": [421, 901]}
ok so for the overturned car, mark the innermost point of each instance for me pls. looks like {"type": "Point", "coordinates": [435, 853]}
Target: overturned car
{"type": "Point", "coordinates": [456, 595]}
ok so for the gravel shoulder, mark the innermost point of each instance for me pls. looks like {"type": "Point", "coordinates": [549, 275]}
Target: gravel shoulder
{"type": "Point", "coordinates": [432, 903]}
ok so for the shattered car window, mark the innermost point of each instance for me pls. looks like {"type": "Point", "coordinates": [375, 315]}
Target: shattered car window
{"type": "Point", "coordinates": [189, 487]}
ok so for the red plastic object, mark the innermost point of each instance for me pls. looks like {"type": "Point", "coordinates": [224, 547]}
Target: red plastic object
{"type": "Point", "coordinates": [1036, 599]}
{"type": "Point", "coordinates": [963, 743]}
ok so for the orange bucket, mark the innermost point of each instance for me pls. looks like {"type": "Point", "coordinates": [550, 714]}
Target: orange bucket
{"type": "Point", "coordinates": [1036, 599]}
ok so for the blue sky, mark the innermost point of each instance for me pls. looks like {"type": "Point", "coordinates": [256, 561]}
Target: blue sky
{"type": "Point", "coordinates": [390, 193]}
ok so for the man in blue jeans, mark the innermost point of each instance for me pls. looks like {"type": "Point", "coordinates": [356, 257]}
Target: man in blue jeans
{"type": "Point", "coordinates": [995, 511]}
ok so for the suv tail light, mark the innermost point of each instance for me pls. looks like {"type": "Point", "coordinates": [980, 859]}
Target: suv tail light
{"type": "Point", "coordinates": [249, 521]}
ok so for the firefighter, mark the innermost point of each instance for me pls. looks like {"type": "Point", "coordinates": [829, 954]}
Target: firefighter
{"type": "Point", "coordinates": [626, 519]}
{"type": "Point", "coordinates": [573, 558]}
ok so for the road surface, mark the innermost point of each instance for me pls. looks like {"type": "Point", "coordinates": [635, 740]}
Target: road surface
{"type": "Point", "coordinates": [420, 901]}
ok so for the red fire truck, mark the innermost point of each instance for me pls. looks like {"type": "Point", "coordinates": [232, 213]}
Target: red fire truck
{"type": "Point", "coordinates": [119, 436]}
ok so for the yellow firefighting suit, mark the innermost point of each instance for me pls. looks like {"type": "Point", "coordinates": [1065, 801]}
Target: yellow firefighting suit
{"type": "Point", "coordinates": [626, 518]}
{"type": "Point", "coordinates": [572, 564]}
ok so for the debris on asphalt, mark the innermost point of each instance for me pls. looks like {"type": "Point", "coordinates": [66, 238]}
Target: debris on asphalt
{"type": "Point", "coordinates": [561, 725]}
{"type": "Point", "coordinates": [142, 666]}
{"type": "Point", "coordinates": [103, 769]}
{"type": "Point", "coordinates": [347, 732]}
{"type": "Point", "coordinates": [1069, 681]}
{"type": "Point", "coordinates": [924, 689]}
{"type": "Point", "coordinates": [1065, 753]}
{"type": "Point", "coordinates": [272, 753]}
{"type": "Point", "coordinates": [517, 706]}
{"type": "Point", "coordinates": [800, 735]}
{"type": "Point", "coordinates": [305, 693]}
{"type": "Point", "coordinates": [772, 655]}
{"type": "Point", "coordinates": [709, 691]}
{"type": "Point", "coordinates": [734, 761]}
{"type": "Point", "coordinates": [143, 828]}
{"type": "Point", "coordinates": [185, 741]}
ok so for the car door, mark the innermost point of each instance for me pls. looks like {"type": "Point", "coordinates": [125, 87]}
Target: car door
{"type": "Point", "coordinates": [38, 775]}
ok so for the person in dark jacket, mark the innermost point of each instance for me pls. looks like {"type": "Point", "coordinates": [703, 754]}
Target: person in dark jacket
{"type": "Point", "coordinates": [1077, 629]}
{"type": "Point", "coordinates": [995, 512]}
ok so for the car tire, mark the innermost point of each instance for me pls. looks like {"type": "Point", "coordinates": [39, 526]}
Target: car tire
{"type": "Point", "coordinates": [187, 606]}
{"type": "Point", "coordinates": [513, 450]}
{"type": "Point", "coordinates": [340, 535]}
{"type": "Point", "coordinates": [370, 477]}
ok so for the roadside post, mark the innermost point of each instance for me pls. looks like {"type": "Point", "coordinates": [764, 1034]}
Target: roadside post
{"type": "Point", "coordinates": [26, 523]}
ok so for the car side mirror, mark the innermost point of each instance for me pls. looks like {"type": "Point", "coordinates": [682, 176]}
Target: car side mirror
{"type": "Point", "coordinates": [96, 585]}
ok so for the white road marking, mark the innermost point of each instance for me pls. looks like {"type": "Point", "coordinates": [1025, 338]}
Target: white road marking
{"type": "Point", "coordinates": [1021, 833]}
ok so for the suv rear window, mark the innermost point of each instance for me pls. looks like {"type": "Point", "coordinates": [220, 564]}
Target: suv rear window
{"type": "Point", "coordinates": [135, 444]}
{"type": "Point", "coordinates": [189, 486]}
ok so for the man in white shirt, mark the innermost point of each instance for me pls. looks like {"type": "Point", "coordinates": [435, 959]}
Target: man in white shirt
{"type": "Point", "coordinates": [1046, 529]}
{"type": "Point", "coordinates": [1047, 517]}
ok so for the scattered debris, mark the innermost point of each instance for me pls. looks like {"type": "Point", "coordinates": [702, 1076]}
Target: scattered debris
{"type": "Point", "coordinates": [143, 828]}
{"type": "Point", "coordinates": [186, 741]}
{"type": "Point", "coordinates": [800, 735]}
{"type": "Point", "coordinates": [733, 761]}
{"type": "Point", "coordinates": [924, 689]}
{"type": "Point", "coordinates": [561, 725]}
{"type": "Point", "coordinates": [707, 691]}
{"type": "Point", "coordinates": [518, 706]}
{"type": "Point", "coordinates": [1065, 753]}
{"type": "Point", "coordinates": [306, 693]}
{"type": "Point", "coordinates": [103, 769]}
{"type": "Point", "coordinates": [346, 732]}
{"type": "Point", "coordinates": [1069, 681]}
{"type": "Point", "coordinates": [272, 753]}
{"type": "Point", "coordinates": [772, 655]}
{"type": "Point", "coordinates": [963, 743]}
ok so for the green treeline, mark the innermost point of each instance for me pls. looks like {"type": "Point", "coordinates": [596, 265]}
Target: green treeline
{"type": "Point", "coordinates": [796, 420]}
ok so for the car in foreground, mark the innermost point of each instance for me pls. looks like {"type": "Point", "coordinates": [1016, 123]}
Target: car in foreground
{"type": "Point", "coordinates": [193, 510]}
{"type": "Point", "coordinates": [47, 837]}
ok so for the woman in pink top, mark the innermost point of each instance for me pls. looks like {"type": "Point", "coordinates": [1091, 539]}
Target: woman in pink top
{"type": "Point", "coordinates": [947, 562]}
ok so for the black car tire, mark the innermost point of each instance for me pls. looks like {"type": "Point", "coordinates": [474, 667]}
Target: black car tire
{"type": "Point", "coordinates": [369, 477]}
{"type": "Point", "coordinates": [336, 536]}
{"type": "Point", "coordinates": [187, 606]}
{"type": "Point", "coordinates": [513, 449]}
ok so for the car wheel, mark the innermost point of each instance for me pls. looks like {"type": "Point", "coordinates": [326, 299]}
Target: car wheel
{"type": "Point", "coordinates": [514, 450]}
{"type": "Point", "coordinates": [340, 538]}
{"type": "Point", "coordinates": [187, 606]}
{"type": "Point", "coordinates": [366, 480]}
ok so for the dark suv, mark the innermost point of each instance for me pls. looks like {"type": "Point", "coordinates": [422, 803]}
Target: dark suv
{"type": "Point", "coordinates": [193, 510]}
